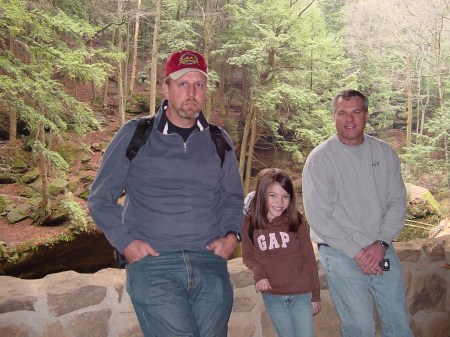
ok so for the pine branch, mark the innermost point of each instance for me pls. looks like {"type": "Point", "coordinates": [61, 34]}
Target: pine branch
{"type": "Point", "coordinates": [104, 28]}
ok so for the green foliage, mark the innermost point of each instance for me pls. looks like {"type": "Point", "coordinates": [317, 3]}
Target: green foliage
{"type": "Point", "coordinates": [54, 157]}
{"type": "Point", "coordinates": [439, 126]}
{"type": "Point", "coordinates": [4, 202]}
{"type": "Point", "coordinates": [294, 70]}
{"type": "Point", "coordinates": [48, 45]}
{"type": "Point", "coordinates": [177, 35]}
{"type": "Point", "coordinates": [428, 156]}
{"type": "Point", "coordinates": [76, 8]}
{"type": "Point", "coordinates": [42, 48]}
{"type": "Point", "coordinates": [422, 216]}
{"type": "Point", "coordinates": [422, 210]}
{"type": "Point", "coordinates": [9, 254]}
{"type": "Point", "coordinates": [144, 103]}
{"type": "Point", "coordinates": [333, 14]}
{"type": "Point", "coordinates": [13, 254]}
{"type": "Point", "coordinates": [413, 233]}
{"type": "Point", "coordinates": [75, 212]}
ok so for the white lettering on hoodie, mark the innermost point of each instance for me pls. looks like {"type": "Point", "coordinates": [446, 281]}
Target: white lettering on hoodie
{"type": "Point", "coordinates": [273, 241]}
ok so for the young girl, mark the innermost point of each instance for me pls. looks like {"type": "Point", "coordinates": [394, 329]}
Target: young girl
{"type": "Point", "coordinates": [277, 248]}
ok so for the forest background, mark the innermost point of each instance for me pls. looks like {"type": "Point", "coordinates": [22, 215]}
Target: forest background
{"type": "Point", "coordinates": [274, 66]}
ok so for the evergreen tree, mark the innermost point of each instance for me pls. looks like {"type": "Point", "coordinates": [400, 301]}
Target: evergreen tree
{"type": "Point", "coordinates": [39, 49]}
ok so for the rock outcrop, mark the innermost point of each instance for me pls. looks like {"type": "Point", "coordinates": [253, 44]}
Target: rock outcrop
{"type": "Point", "coordinates": [70, 304]}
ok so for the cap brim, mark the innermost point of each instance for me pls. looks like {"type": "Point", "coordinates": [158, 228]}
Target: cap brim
{"type": "Point", "coordinates": [177, 74]}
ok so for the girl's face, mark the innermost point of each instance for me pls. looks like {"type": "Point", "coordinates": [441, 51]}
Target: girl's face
{"type": "Point", "coordinates": [277, 201]}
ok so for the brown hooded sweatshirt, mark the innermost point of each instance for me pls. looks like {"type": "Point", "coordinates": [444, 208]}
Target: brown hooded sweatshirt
{"type": "Point", "coordinates": [285, 258]}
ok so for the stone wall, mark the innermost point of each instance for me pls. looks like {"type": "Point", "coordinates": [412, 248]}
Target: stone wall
{"type": "Point", "coordinates": [70, 304]}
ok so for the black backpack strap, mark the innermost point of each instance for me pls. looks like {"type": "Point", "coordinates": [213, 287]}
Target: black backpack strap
{"type": "Point", "coordinates": [140, 136]}
{"type": "Point", "coordinates": [219, 141]}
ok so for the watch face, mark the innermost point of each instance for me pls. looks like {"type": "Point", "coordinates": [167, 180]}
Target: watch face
{"type": "Point", "coordinates": [384, 244]}
{"type": "Point", "coordinates": [236, 234]}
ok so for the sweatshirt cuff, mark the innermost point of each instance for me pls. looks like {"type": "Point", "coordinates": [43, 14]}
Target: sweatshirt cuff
{"type": "Point", "coordinates": [351, 249]}
{"type": "Point", "coordinates": [123, 243]}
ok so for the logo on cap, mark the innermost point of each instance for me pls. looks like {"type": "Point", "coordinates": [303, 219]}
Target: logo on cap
{"type": "Point", "coordinates": [188, 59]}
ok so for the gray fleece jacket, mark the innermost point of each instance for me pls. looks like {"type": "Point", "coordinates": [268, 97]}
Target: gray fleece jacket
{"type": "Point", "coordinates": [353, 195]}
{"type": "Point", "coordinates": [178, 197]}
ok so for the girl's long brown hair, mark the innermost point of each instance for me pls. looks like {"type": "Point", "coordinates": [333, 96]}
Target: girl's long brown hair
{"type": "Point", "coordinates": [258, 208]}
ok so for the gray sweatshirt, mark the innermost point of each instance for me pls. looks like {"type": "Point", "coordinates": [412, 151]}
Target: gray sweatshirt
{"type": "Point", "coordinates": [178, 197]}
{"type": "Point", "coordinates": [353, 195]}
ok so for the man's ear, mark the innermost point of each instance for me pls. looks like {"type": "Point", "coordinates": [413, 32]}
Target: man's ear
{"type": "Point", "coordinates": [165, 89]}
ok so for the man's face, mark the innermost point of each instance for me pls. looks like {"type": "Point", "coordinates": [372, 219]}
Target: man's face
{"type": "Point", "coordinates": [186, 96]}
{"type": "Point", "coordinates": [350, 120]}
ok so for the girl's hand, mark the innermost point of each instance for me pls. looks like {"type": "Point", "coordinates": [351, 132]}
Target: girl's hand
{"type": "Point", "coordinates": [316, 307]}
{"type": "Point", "coordinates": [262, 285]}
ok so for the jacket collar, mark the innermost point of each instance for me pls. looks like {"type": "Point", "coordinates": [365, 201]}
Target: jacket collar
{"type": "Point", "coordinates": [162, 121]}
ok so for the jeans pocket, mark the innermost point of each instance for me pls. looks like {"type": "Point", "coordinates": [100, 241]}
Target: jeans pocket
{"type": "Point", "coordinates": [218, 256]}
{"type": "Point", "coordinates": [139, 260]}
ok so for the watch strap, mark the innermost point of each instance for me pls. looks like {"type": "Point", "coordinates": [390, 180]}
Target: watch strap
{"type": "Point", "coordinates": [383, 244]}
{"type": "Point", "coordinates": [236, 234]}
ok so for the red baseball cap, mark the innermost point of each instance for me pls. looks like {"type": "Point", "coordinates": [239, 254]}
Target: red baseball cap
{"type": "Point", "coordinates": [184, 61]}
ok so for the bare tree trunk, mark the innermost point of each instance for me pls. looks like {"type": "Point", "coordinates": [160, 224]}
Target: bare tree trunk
{"type": "Point", "coordinates": [409, 111]}
{"type": "Point", "coordinates": [410, 98]}
{"type": "Point", "coordinates": [92, 82]}
{"type": "Point", "coordinates": [245, 91]}
{"type": "Point", "coordinates": [251, 147]}
{"type": "Point", "coordinates": [13, 129]}
{"type": "Point", "coordinates": [438, 56]}
{"type": "Point", "coordinates": [135, 47]}
{"type": "Point", "coordinates": [125, 65]}
{"type": "Point", "coordinates": [154, 59]}
{"type": "Point", "coordinates": [94, 96]}
{"type": "Point", "coordinates": [12, 112]}
{"type": "Point", "coordinates": [208, 31]}
{"type": "Point", "coordinates": [120, 68]}
{"type": "Point", "coordinates": [221, 91]}
{"type": "Point", "coordinates": [75, 86]}
{"type": "Point", "coordinates": [424, 110]}
{"type": "Point", "coordinates": [419, 98]}
{"type": "Point", "coordinates": [105, 92]}
{"type": "Point", "coordinates": [244, 143]}
{"type": "Point", "coordinates": [247, 148]}
{"type": "Point", "coordinates": [43, 172]}
{"type": "Point", "coordinates": [120, 85]}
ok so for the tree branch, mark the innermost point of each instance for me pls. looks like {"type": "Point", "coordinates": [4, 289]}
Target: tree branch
{"type": "Point", "coordinates": [104, 28]}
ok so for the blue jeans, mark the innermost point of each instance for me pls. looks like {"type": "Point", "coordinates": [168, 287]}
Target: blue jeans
{"type": "Point", "coordinates": [352, 294]}
{"type": "Point", "coordinates": [292, 316]}
{"type": "Point", "coordinates": [183, 293]}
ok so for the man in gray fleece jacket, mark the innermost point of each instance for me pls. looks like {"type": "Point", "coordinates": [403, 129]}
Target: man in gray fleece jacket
{"type": "Point", "coordinates": [355, 203]}
{"type": "Point", "coordinates": [182, 215]}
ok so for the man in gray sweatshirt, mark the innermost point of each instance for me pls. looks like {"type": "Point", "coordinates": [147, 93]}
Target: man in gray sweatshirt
{"type": "Point", "coordinates": [182, 215]}
{"type": "Point", "coordinates": [355, 203]}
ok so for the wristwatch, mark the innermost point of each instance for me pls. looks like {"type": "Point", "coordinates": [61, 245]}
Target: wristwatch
{"type": "Point", "coordinates": [236, 234]}
{"type": "Point", "coordinates": [383, 244]}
